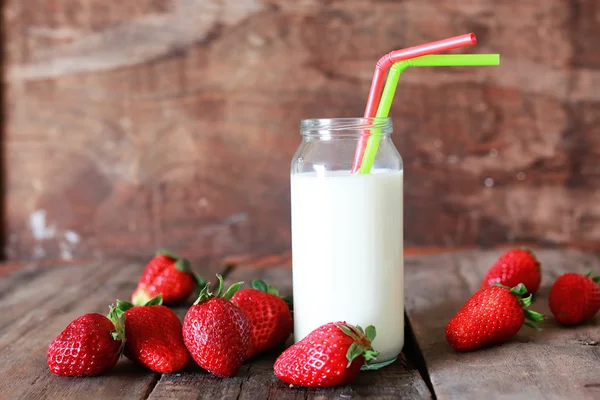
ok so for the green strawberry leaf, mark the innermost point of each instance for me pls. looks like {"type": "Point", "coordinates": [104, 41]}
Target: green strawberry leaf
{"type": "Point", "coordinates": [526, 302]}
{"type": "Point", "coordinates": [370, 355]}
{"type": "Point", "coordinates": [352, 353]}
{"type": "Point", "coordinates": [289, 300]}
{"type": "Point", "coordinates": [260, 285]}
{"type": "Point", "coordinates": [124, 305]}
{"type": "Point", "coordinates": [519, 290]}
{"type": "Point", "coordinates": [347, 331]}
{"type": "Point", "coordinates": [595, 279]}
{"type": "Point", "coordinates": [531, 316]}
{"type": "Point", "coordinates": [200, 282]}
{"type": "Point", "coordinates": [205, 293]}
{"type": "Point", "coordinates": [534, 316]}
{"type": "Point", "coordinates": [232, 290]}
{"type": "Point", "coordinates": [531, 325]}
{"type": "Point", "coordinates": [263, 287]}
{"type": "Point", "coordinates": [362, 344]}
{"type": "Point", "coordinates": [117, 317]}
{"type": "Point", "coordinates": [371, 332]}
{"type": "Point", "coordinates": [272, 290]}
{"type": "Point", "coordinates": [156, 301]}
{"type": "Point", "coordinates": [165, 252]}
{"type": "Point", "coordinates": [183, 265]}
{"type": "Point", "coordinates": [374, 367]}
{"type": "Point", "coordinates": [221, 285]}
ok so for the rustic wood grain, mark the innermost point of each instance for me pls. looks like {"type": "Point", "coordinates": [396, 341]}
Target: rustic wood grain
{"type": "Point", "coordinates": [37, 304]}
{"type": "Point", "coordinates": [256, 379]}
{"type": "Point", "coordinates": [137, 125]}
{"type": "Point", "coordinates": [554, 363]}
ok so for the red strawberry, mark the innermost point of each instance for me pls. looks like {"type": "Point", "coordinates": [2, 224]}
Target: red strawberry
{"type": "Point", "coordinates": [575, 298]}
{"type": "Point", "coordinates": [330, 355]}
{"type": "Point", "coordinates": [90, 345]}
{"type": "Point", "coordinates": [491, 316]}
{"type": "Point", "coordinates": [514, 267]}
{"type": "Point", "coordinates": [269, 316]}
{"type": "Point", "coordinates": [154, 337]}
{"type": "Point", "coordinates": [216, 332]}
{"type": "Point", "coordinates": [167, 275]}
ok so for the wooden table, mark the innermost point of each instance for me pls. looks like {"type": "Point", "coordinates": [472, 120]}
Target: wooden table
{"type": "Point", "coordinates": [554, 363]}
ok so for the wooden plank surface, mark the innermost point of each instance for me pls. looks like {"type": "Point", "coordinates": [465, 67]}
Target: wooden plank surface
{"type": "Point", "coordinates": [134, 124]}
{"type": "Point", "coordinates": [37, 303]}
{"type": "Point", "coordinates": [256, 379]}
{"type": "Point", "coordinates": [554, 363]}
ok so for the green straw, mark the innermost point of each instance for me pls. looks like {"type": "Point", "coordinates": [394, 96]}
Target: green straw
{"type": "Point", "coordinates": [437, 60]}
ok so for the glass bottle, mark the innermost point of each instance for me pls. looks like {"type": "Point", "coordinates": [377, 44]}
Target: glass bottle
{"type": "Point", "coordinates": [347, 232]}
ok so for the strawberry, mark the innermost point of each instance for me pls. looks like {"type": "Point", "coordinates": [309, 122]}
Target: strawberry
{"type": "Point", "coordinates": [514, 267]}
{"type": "Point", "coordinates": [330, 355]}
{"type": "Point", "coordinates": [154, 337]}
{"type": "Point", "coordinates": [575, 298]}
{"type": "Point", "coordinates": [216, 332]}
{"type": "Point", "coordinates": [167, 275]}
{"type": "Point", "coordinates": [89, 345]}
{"type": "Point", "coordinates": [269, 316]}
{"type": "Point", "coordinates": [491, 316]}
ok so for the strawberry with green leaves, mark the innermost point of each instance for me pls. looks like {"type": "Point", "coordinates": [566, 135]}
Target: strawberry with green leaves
{"type": "Point", "coordinates": [575, 298]}
{"type": "Point", "coordinates": [89, 345]}
{"type": "Point", "coordinates": [154, 337]}
{"type": "Point", "coordinates": [216, 332]}
{"type": "Point", "coordinates": [491, 316]}
{"type": "Point", "coordinates": [169, 276]}
{"type": "Point", "coordinates": [331, 355]}
{"type": "Point", "coordinates": [269, 315]}
{"type": "Point", "coordinates": [514, 267]}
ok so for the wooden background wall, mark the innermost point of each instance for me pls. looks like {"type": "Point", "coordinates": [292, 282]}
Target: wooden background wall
{"type": "Point", "coordinates": [131, 125]}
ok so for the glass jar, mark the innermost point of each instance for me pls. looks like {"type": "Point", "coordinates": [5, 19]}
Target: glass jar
{"type": "Point", "coordinates": [347, 232]}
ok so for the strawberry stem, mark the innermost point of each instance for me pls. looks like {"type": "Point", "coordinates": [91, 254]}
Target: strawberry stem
{"type": "Point", "coordinates": [117, 317]}
{"type": "Point", "coordinates": [125, 305]}
{"type": "Point", "coordinates": [205, 293]}
{"type": "Point", "coordinates": [531, 317]}
{"type": "Point", "coordinates": [362, 344]}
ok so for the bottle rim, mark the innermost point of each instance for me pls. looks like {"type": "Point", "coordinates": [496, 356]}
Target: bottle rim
{"type": "Point", "coordinates": [347, 127]}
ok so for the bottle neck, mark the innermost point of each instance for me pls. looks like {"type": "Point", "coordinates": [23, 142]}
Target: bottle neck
{"type": "Point", "coordinates": [347, 128]}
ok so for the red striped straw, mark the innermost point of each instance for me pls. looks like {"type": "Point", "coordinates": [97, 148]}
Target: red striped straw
{"type": "Point", "coordinates": [384, 64]}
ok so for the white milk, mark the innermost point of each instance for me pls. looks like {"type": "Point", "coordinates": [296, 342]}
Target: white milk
{"type": "Point", "coordinates": [347, 252]}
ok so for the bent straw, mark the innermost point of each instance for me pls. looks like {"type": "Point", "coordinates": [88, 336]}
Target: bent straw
{"type": "Point", "coordinates": [450, 60]}
{"type": "Point", "coordinates": [384, 64]}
